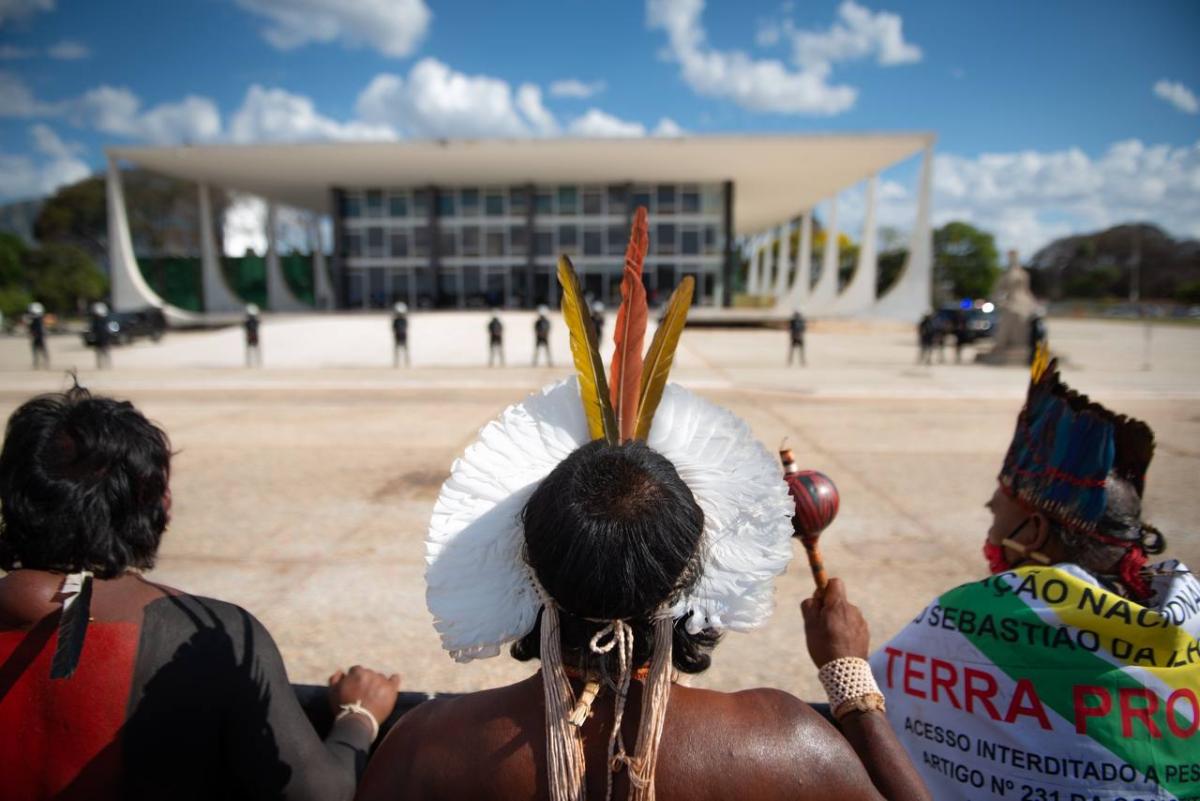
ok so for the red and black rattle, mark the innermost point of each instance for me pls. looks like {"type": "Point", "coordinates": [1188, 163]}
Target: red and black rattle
{"type": "Point", "coordinates": [816, 499]}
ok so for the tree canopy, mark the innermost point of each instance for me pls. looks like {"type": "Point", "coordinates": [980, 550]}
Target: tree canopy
{"type": "Point", "coordinates": [966, 258]}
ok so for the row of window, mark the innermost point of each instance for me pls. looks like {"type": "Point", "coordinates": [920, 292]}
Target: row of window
{"type": "Point", "coordinates": [547, 201]}
{"type": "Point", "coordinates": [666, 239]}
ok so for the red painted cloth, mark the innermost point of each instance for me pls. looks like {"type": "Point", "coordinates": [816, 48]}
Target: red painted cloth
{"type": "Point", "coordinates": [60, 738]}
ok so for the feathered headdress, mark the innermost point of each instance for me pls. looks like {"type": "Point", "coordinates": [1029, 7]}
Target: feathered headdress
{"type": "Point", "coordinates": [483, 595]}
{"type": "Point", "coordinates": [1066, 445]}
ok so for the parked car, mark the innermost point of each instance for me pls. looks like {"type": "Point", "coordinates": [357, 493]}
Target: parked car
{"type": "Point", "coordinates": [125, 327]}
{"type": "Point", "coordinates": [980, 324]}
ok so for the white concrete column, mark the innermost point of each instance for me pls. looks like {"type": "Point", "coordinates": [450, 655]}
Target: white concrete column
{"type": "Point", "coordinates": [128, 290]}
{"type": "Point", "coordinates": [859, 294]}
{"type": "Point", "coordinates": [753, 271]}
{"type": "Point", "coordinates": [783, 263]}
{"type": "Point", "coordinates": [218, 296]}
{"type": "Point", "coordinates": [322, 288]}
{"type": "Point", "coordinates": [912, 294]}
{"type": "Point", "coordinates": [279, 297]}
{"type": "Point", "coordinates": [802, 284]}
{"type": "Point", "coordinates": [825, 291]}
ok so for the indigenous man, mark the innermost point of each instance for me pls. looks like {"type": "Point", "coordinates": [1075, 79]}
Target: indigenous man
{"type": "Point", "coordinates": [37, 335]}
{"type": "Point", "coordinates": [614, 535]}
{"type": "Point", "coordinates": [400, 334]}
{"type": "Point", "coordinates": [796, 327]}
{"type": "Point", "coordinates": [495, 330]}
{"type": "Point", "coordinates": [117, 687]}
{"type": "Point", "coordinates": [541, 333]}
{"type": "Point", "coordinates": [250, 326]}
{"type": "Point", "coordinates": [1073, 671]}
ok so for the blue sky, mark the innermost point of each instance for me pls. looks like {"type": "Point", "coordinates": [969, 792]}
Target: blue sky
{"type": "Point", "coordinates": [1051, 117]}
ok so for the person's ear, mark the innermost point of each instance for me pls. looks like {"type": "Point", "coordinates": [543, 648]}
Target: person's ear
{"type": "Point", "coordinates": [1038, 532]}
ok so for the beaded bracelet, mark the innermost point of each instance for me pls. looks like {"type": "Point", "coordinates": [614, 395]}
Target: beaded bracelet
{"type": "Point", "coordinates": [850, 686]}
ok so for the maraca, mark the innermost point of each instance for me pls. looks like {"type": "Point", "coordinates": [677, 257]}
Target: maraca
{"type": "Point", "coordinates": [816, 499]}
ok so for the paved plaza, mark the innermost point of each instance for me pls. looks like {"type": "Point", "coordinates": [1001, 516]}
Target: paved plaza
{"type": "Point", "coordinates": [302, 490]}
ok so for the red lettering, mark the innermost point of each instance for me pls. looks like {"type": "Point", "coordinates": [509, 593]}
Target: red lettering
{"type": "Point", "coordinates": [892, 653]}
{"type": "Point", "coordinates": [942, 674]}
{"type": "Point", "coordinates": [1026, 702]}
{"type": "Point", "coordinates": [984, 694]}
{"type": "Point", "coordinates": [1129, 712]}
{"type": "Point", "coordinates": [910, 674]}
{"type": "Point", "coordinates": [1176, 729]}
{"type": "Point", "coordinates": [1083, 711]}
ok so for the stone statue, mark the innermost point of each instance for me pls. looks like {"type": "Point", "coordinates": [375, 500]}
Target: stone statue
{"type": "Point", "coordinates": [1017, 307]}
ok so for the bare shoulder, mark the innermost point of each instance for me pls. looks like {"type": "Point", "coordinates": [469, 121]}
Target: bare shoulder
{"type": "Point", "coordinates": [778, 743]}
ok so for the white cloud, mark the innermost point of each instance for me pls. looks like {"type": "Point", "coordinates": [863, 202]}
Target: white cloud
{"type": "Point", "coordinates": [436, 101]}
{"type": "Point", "coordinates": [275, 115]}
{"type": "Point", "coordinates": [20, 9]}
{"type": "Point", "coordinates": [602, 125]}
{"type": "Point", "coordinates": [859, 33]}
{"type": "Point", "coordinates": [393, 27]}
{"type": "Point", "coordinates": [757, 85]}
{"type": "Point", "coordinates": [11, 53]}
{"type": "Point", "coordinates": [576, 89]}
{"type": "Point", "coordinates": [668, 127]}
{"type": "Point", "coordinates": [22, 176]}
{"type": "Point", "coordinates": [118, 111]}
{"type": "Point", "coordinates": [1177, 95]}
{"type": "Point", "coordinates": [16, 99]}
{"type": "Point", "coordinates": [529, 101]}
{"type": "Point", "coordinates": [68, 50]}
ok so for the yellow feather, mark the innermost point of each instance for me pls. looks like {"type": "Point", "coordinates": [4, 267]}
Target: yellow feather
{"type": "Point", "coordinates": [593, 387]}
{"type": "Point", "coordinates": [1041, 360]}
{"type": "Point", "coordinates": [662, 352]}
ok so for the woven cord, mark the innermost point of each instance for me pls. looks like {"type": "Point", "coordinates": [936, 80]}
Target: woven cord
{"type": "Point", "coordinates": [564, 744]}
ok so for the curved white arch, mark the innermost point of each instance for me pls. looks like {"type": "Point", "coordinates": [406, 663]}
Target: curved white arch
{"type": "Point", "coordinates": [911, 295]}
{"type": "Point", "coordinates": [859, 294]}
{"type": "Point", "coordinates": [279, 296]}
{"type": "Point", "coordinates": [129, 289]}
{"type": "Point", "coordinates": [798, 295]}
{"type": "Point", "coordinates": [322, 288]}
{"type": "Point", "coordinates": [218, 295]}
{"type": "Point", "coordinates": [825, 292]}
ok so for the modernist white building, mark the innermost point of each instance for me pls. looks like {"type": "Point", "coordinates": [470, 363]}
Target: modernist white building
{"type": "Point", "coordinates": [473, 223]}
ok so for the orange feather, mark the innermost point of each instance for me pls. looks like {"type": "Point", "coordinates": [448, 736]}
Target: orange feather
{"type": "Point", "coordinates": [629, 333]}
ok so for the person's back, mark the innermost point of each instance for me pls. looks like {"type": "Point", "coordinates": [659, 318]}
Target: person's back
{"type": "Point", "coordinates": [495, 330]}
{"type": "Point", "coordinates": [541, 328]}
{"type": "Point", "coordinates": [113, 686]}
{"type": "Point", "coordinates": [400, 328]}
{"type": "Point", "coordinates": [760, 744]}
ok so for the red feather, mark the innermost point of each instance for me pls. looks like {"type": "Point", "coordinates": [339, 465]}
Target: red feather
{"type": "Point", "coordinates": [630, 330]}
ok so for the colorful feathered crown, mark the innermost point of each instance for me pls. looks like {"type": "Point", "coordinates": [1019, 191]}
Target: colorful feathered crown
{"type": "Point", "coordinates": [1066, 445]}
{"type": "Point", "coordinates": [622, 408]}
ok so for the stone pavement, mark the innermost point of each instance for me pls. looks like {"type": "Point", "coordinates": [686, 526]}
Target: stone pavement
{"type": "Point", "coordinates": [302, 490]}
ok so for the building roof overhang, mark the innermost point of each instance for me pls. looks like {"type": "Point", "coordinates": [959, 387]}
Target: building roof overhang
{"type": "Point", "coordinates": [775, 177]}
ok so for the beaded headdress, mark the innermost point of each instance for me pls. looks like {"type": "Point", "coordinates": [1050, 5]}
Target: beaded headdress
{"type": "Point", "coordinates": [483, 595]}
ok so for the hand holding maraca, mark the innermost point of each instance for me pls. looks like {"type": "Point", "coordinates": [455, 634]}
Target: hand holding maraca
{"type": "Point", "coordinates": [816, 499]}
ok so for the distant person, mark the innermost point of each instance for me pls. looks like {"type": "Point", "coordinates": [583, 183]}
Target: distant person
{"type": "Point", "coordinates": [541, 333]}
{"type": "Point", "coordinates": [925, 332]}
{"type": "Point", "coordinates": [250, 324]}
{"type": "Point", "coordinates": [400, 334]}
{"type": "Point", "coordinates": [797, 326]}
{"type": "Point", "coordinates": [598, 319]}
{"type": "Point", "coordinates": [495, 330]}
{"type": "Point", "coordinates": [37, 335]}
{"type": "Point", "coordinates": [1037, 334]}
{"type": "Point", "coordinates": [961, 336]}
{"type": "Point", "coordinates": [101, 335]}
{"type": "Point", "coordinates": [146, 692]}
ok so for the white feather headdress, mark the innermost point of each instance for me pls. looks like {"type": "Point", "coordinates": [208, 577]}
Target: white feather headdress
{"type": "Point", "coordinates": [482, 594]}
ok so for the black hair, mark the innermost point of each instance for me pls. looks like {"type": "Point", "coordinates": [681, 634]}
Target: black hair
{"type": "Point", "coordinates": [83, 485]}
{"type": "Point", "coordinates": [614, 532]}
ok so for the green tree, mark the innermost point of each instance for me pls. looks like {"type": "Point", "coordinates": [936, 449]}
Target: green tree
{"type": "Point", "coordinates": [966, 257]}
{"type": "Point", "coordinates": [64, 277]}
{"type": "Point", "coordinates": [12, 261]}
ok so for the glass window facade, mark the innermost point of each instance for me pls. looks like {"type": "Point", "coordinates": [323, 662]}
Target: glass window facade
{"type": "Point", "coordinates": [477, 246]}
